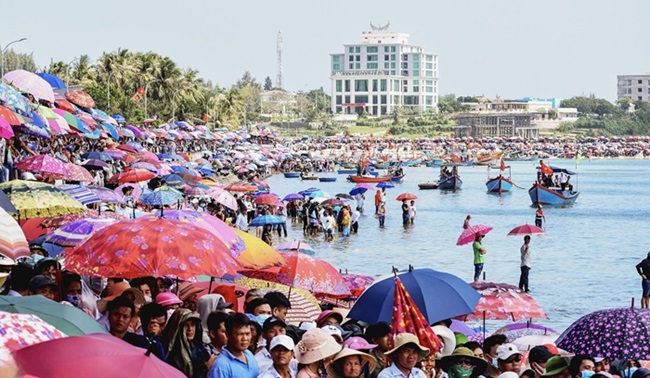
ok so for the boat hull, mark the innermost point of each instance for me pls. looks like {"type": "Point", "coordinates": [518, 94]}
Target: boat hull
{"type": "Point", "coordinates": [397, 178]}
{"type": "Point", "coordinates": [499, 184]}
{"type": "Point", "coordinates": [291, 174]}
{"type": "Point", "coordinates": [309, 178]}
{"type": "Point", "coordinates": [450, 183]}
{"type": "Point", "coordinates": [366, 179]}
{"type": "Point", "coordinates": [428, 185]}
{"type": "Point", "coordinates": [327, 179]}
{"type": "Point", "coordinates": [540, 195]}
{"type": "Point", "coordinates": [346, 171]}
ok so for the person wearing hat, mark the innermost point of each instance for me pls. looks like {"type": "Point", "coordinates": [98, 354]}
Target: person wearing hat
{"type": "Point", "coordinates": [315, 352]}
{"type": "Point", "coordinates": [328, 317]}
{"type": "Point", "coordinates": [47, 266]}
{"type": "Point", "coordinates": [537, 358]}
{"type": "Point", "coordinates": [283, 364]}
{"type": "Point", "coordinates": [188, 293]}
{"type": "Point", "coordinates": [43, 285]}
{"type": "Point", "coordinates": [336, 332]}
{"type": "Point", "coordinates": [350, 363]}
{"type": "Point", "coordinates": [508, 358]}
{"type": "Point", "coordinates": [462, 363]}
{"type": "Point", "coordinates": [6, 264]}
{"type": "Point", "coordinates": [405, 355]}
{"type": "Point", "coordinates": [557, 367]}
{"type": "Point", "coordinates": [272, 327]}
{"type": "Point", "coordinates": [602, 364]}
{"type": "Point", "coordinates": [479, 255]}
{"type": "Point", "coordinates": [379, 335]}
{"type": "Point", "coordinates": [447, 337]}
{"type": "Point", "coordinates": [169, 301]}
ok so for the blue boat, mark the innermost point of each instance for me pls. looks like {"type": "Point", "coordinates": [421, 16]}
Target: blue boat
{"type": "Point", "coordinates": [346, 171]}
{"type": "Point", "coordinates": [449, 180]}
{"type": "Point", "coordinates": [552, 195]}
{"type": "Point", "coordinates": [291, 174]}
{"type": "Point", "coordinates": [327, 179]}
{"type": "Point", "coordinates": [500, 183]}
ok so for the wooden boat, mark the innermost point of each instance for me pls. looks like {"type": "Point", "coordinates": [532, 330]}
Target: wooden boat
{"type": "Point", "coordinates": [308, 177]}
{"type": "Point", "coordinates": [291, 174]}
{"type": "Point", "coordinates": [449, 180]}
{"type": "Point", "coordinates": [500, 183]}
{"type": "Point", "coordinates": [434, 162]}
{"type": "Point", "coordinates": [554, 196]}
{"type": "Point", "coordinates": [368, 179]}
{"type": "Point", "coordinates": [428, 185]}
{"type": "Point", "coordinates": [327, 179]}
{"type": "Point", "coordinates": [397, 178]}
{"type": "Point", "coordinates": [346, 171]}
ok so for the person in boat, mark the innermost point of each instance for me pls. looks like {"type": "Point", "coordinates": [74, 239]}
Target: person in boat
{"type": "Point", "coordinates": [539, 216]}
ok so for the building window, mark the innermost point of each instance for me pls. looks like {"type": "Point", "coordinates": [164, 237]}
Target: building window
{"type": "Point", "coordinates": [429, 66]}
{"type": "Point", "coordinates": [392, 57]}
{"type": "Point", "coordinates": [416, 57]}
{"type": "Point", "coordinates": [395, 85]}
{"type": "Point", "coordinates": [347, 85]}
{"type": "Point", "coordinates": [336, 66]}
{"type": "Point", "coordinates": [357, 66]}
{"type": "Point", "coordinates": [429, 100]}
{"type": "Point", "coordinates": [351, 65]}
{"type": "Point", "coordinates": [383, 110]}
{"type": "Point", "coordinates": [640, 81]}
{"type": "Point", "coordinates": [640, 98]}
{"type": "Point", "coordinates": [386, 65]}
{"type": "Point", "coordinates": [416, 72]}
{"type": "Point", "coordinates": [361, 86]}
{"type": "Point", "coordinates": [357, 49]}
{"type": "Point", "coordinates": [339, 100]}
{"type": "Point", "coordinates": [386, 49]}
{"type": "Point", "coordinates": [405, 72]}
{"type": "Point", "coordinates": [371, 49]}
{"type": "Point", "coordinates": [428, 73]}
{"type": "Point", "coordinates": [373, 58]}
{"type": "Point", "coordinates": [339, 86]}
{"type": "Point", "coordinates": [392, 72]}
{"type": "Point", "coordinates": [629, 91]}
{"type": "Point", "coordinates": [416, 65]}
{"type": "Point", "coordinates": [392, 49]}
{"type": "Point", "coordinates": [372, 66]}
{"type": "Point", "coordinates": [429, 58]}
{"type": "Point", "coordinates": [351, 58]}
{"type": "Point", "coordinates": [416, 88]}
{"type": "Point", "coordinates": [405, 65]}
{"type": "Point", "coordinates": [358, 58]}
{"type": "Point", "coordinates": [392, 65]}
{"type": "Point", "coordinates": [405, 57]}
{"type": "Point", "coordinates": [411, 100]}
{"type": "Point", "coordinates": [351, 49]}
{"type": "Point", "coordinates": [336, 59]}
{"type": "Point", "coordinates": [386, 57]}
{"type": "Point", "coordinates": [347, 99]}
{"type": "Point", "coordinates": [374, 99]}
{"type": "Point", "coordinates": [383, 99]}
{"type": "Point", "coordinates": [405, 89]}
{"type": "Point", "coordinates": [382, 85]}
{"type": "Point", "coordinates": [640, 90]}
{"type": "Point", "coordinates": [374, 87]}
{"type": "Point", "coordinates": [339, 109]}
{"type": "Point", "coordinates": [429, 89]}
{"type": "Point", "coordinates": [361, 99]}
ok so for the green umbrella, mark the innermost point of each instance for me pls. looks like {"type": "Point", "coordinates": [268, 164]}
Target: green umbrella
{"type": "Point", "coordinates": [67, 319]}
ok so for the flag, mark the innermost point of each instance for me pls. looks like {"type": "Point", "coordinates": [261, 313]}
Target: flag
{"type": "Point", "coordinates": [578, 158]}
{"type": "Point", "coordinates": [139, 93]}
{"type": "Point", "coordinates": [503, 165]}
{"type": "Point", "coordinates": [545, 168]}
{"type": "Point", "coordinates": [455, 158]}
{"type": "Point", "coordinates": [205, 118]}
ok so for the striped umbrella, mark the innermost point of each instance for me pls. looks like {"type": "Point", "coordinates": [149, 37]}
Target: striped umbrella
{"type": "Point", "coordinates": [76, 232]}
{"type": "Point", "coordinates": [12, 239]}
{"type": "Point", "coordinates": [80, 193]}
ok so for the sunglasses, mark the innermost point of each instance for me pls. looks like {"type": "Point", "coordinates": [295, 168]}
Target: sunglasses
{"type": "Point", "coordinates": [516, 358]}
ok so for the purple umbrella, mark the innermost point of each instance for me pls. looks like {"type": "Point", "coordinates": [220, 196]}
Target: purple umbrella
{"type": "Point", "coordinates": [95, 164]}
{"type": "Point", "coordinates": [292, 196]}
{"type": "Point", "coordinates": [30, 83]}
{"type": "Point", "coordinates": [74, 233]}
{"type": "Point", "coordinates": [620, 333]}
{"type": "Point", "coordinates": [135, 131]}
{"type": "Point", "coordinates": [462, 327]}
{"type": "Point", "coordinates": [136, 146]}
{"type": "Point", "coordinates": [516, 330]}
{"type": "Point", "coordinates": [106, 194]}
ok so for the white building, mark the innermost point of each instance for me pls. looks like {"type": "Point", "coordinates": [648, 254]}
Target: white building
{"type": "Point", "coordinates": [382, 73]}
{"type": "Point", "coordinates": [634, 87]}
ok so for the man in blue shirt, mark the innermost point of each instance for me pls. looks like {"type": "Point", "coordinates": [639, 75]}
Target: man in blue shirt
{"type": "Point", "coordinates": [406, 354]}
{"type": "Point", "coordinates": [235, 360]}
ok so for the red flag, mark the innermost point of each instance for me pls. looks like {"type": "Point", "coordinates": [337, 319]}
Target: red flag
{"type": "Point", "coordinates": [503, 165]}
{"type": "Point", "coordinates": [138, 94]}
{"type": "Point", "coordinates": [408, 318]}
{"type": "Point", "coordinates": [545, 168]}
{"type": "Point", "coordinates": [205, 118]}
{"type": "Point", "coordinates": [455, 158]}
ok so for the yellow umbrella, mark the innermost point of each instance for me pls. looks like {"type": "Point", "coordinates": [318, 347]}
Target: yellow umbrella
{"type": "Point", "coordinates": [258, 254]}
{"type": "Point", "coordinates": [39, 200]}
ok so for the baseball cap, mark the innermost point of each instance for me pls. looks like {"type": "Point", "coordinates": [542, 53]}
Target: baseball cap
{"type": "Point", "coordinates": [40, 281]}
{"type": "Point", "coordinates": [283, 340]}
{"type": "Point", "coordinates": [271, 322]}
{"type": "Point", "coordinates": [504, 351]}
{"type": "Point", "coordinates": [6, 261]}
{"type": "Point", "coordinates": [222, 305]}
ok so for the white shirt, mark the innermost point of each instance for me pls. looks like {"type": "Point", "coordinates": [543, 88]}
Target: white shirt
{"type": "Point", "coordinates": [242, 222]}
{"type": "Point", "coordinates": [525, 256]}
{"type": "Point", "coordinates": [393, 372]}
{"type": "Point", "coordinates": [265, 363]}
{"type": "Point", "coordinates": [355, 216]}
{"type": "Point", "coordinates": [272, 373]}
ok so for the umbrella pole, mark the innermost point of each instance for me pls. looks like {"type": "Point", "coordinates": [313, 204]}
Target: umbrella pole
{"type": "Point", "coordinates": [210, 285]}
{"type": "Point", "coordinates": [289, 296]}
{"type": "Point", "coordinates": [483, 325]}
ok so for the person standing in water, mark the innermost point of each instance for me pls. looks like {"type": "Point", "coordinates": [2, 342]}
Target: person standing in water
{"type": "Point", "coordinates": [643, 268]}
{"type": "Point", "coordinates": [539, 216]}
{"type": "Point", "coordinates": [525, 264]}
{"type": "Point", "coordinates": [479, 255]}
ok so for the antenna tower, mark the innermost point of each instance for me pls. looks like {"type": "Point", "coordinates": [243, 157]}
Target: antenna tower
{"type": "Point", "coordinates": [278, 80]}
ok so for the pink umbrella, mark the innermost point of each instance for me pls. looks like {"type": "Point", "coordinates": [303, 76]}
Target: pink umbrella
{"type": "Point", "coordinates": [364, 186]}
{"type": "Point", "coordinates": [43, 164]}
{"type": "Point", "coordinates": [77, 173]}
{"type": "Point", "coordinates": [5, 129]}
{"type": "Point", "coordinates": [137, 191]}
{"type": "Point", "coordinates": [469, 235]}
{"type": "Point", "coordinates": [526, 229]}
{"type": "Point", "coordinates": [22, 330]}
{"type": "Point", "coordinates": [223, 197]}
{"type": "Point", "coordinates": [30, 83]}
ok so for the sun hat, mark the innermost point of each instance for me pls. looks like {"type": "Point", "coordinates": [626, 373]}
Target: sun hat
{"type": "Point", "coordinates": [358, 343]}
{"type": "Point", "coordinates": [315, 345]}
{"type": "Point", "coordinates": [505, 351]}
{"type": "Point", "coordinates": [447, 337]}
{"type": "Point", "coordinates": [115, 291]}
{"type": "Point", "coordinates": [462, 353]}
{"type": "Point", "coordinates": [167, 299]}
{"type": "Point", "coordinates": [283, 340]}
{"type": "Point", "coordinates": [555, 365]}
{"type": "Point", "coordinates": [408, 338]}
{"type": "Point", "coordinates": [223, 305]}
{"type": "Point", "coordinates": [333, 368]}
{"type": "Point", "coordinates": [186, 289]}
{"type": "Point", "coordinates": [336, 331]}
{"type": "Point", "coordinates": [328, 314]}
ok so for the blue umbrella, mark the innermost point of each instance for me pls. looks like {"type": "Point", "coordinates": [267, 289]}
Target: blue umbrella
{"type": "Point", "coordinates": [38, 121]}
{"type": "Point", "coordinates": [357, 190]}
{"type": "Point", "coordinates": [164, 156]}
{"type": "Point", "coordinates": [160, 198]}
{"type": "Point", "coordinates": [293, 196]}
{"type": "Point", "coordinates": [307, 192]}
{"type": "Point", "coordinates": [110, 129]}
{"type": "Point", "coordinates": [119, 118]}
{"type": "Point", "coordinates": [54, 81]}
{"type": "Point", "coordinates": [263, 220]}
{"type": "Point", "coordinates": [97, 155]}
{"type": "Point", "coordinates": [385, 184]}
{"type": "Point", "coordinates": [319, 193]}
{"type": "Point", "coordinates": [438, 295]}
{"type": "Point", "coordinates": [179, 169]}
{"type": "Point", "coordinates": [52, 249]}
{"type": "Point", "coordinates": [81, 193]}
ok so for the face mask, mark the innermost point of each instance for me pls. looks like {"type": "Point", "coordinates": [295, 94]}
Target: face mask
{"type": "Point", "coordinates": [628, 372]}
{"type": "Point", "coordinates": [148, 299]}
{"type": "Point", "coordinates": [202, 205]}
{"type": "Point", "coordinates": [75, 300]}
{"type": "Point", "coordinates": [262, 318]}
{"type": "Point", "coordinates": [587, 373]}
{"type": "Point", "coordinates": [495, 362]}
{"type": "Point", "coordinates": [458, 371]}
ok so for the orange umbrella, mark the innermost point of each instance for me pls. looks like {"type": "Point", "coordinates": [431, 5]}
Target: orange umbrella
{"type": "Point", "coordinates": [132, 175]}
{"type": "Point", "coordinates": [257, 255]}
{"type": "Point", "coordinates": [241, 188]}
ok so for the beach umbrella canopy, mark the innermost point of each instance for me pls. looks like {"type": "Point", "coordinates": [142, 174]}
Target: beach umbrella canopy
{"type": "Point", "coordinates": [105, 194]}
{"type": "Point", "coordinates": [344, 196]}
{"type": "Point", "coordinates": [67, 319]}
{"type": "Point", "coordinates": [80, 193]}
{"type": "Point", "coordinates": [13, 100]}
{"type": "Point", "coordinates": [6, 204]}
{"type": "Point", "coordinates": [241, 188]}
{"type": "Point", "coordinates": [54, 81]}
{"type": "Point", "coordinates": [6, 132]}
{"type": "Point", "coordinates": [160, 198]}
{"type": "Point", "coordinates": [305, 272]}
{"type": "Point", "coordinates": [137, 191]}
{"type": "Point", "coordinates": [529, 342]}
{"type": "Point", "coordinates": [357, 190]}
{"type": "Point", "coordinates": [99, 356]}
{"type": "Point", "coordinates": [257, 254]}
{"type": "Point", "coordinates": [438, 295]}
{"type": "Point", "coordinates": [77, 173]}
{"type": "Point", "coordinates": [12, 238]}
{"type": "Point", "coordinates": [80, 98]}
{"type": "Point", "coordinates": [297, 246]}
{"type": "Point", "coordinates": [504, 301]}
{"type": "Point", "coordinates": [408, 318]}
{"type": "Point", "coordinates": [385, 184]}
{"type": "Point", "coordinates": [151, 246]}
{"type": "Point", "coordinates": [9, 117]}
{"type": "Point", "coordinates": [461, 327]}
{"type": "Point", "coordinates": [406, 196]}
{"type": "Point", "coordinates": [515, 331]}
{"type": "Point", "coordinates": [468, 235]}
{"type": "Point", "coordinates": [22, 330]}
{"type": "Point", "coordinates": [525, 229]}
{"type": "Point", "coordinates": [76, 232]}
{"type": "Point", "coordinates": [194, 191]}
{"type": "Point", "coordinates": [357, 283]}
{"type": "Point", "coordinates": [333, 202]}
{"type": "Point", "coordinates": [132, 175]}
{"type": "Point", "coordinates": [319, 194]}
{"type": "Point", "coordinates": [263, 220]}
{"type": "Point", "coordinates": [619, 333]}
{"type": "Point", "coordinates": [43, 164]}
{"type": "Point", "coordinates": [39, 200]}
{"type": "Point", "coordinates": [31, 83]}
{"type": "Point", "coordinates": [97, 155]}
{"type": "Point", "coordinates": [268, 199]}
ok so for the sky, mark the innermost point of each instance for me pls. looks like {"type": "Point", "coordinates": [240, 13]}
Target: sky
{"type": "Point", "coordinates": [505, 48]}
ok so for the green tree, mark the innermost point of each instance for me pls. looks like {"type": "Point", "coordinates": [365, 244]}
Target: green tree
{"type": "Point", "coordinates": [15, 61]}
{"type": "Point", "coordinates": [268, 84]}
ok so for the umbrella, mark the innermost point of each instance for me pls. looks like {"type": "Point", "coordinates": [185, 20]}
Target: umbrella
{"type": "Point", "coordinates": [95, 164]}
{"type": "Point", "coordinates": [529, 342]}
{"type": "Point", "coordinates": [137, 191]}
{"type": "Point", "coordinates": [80, 98]}
{"type": "Point", "coordinates": [67, 319]}
{"type": "Point", "coordinates": [469, 235]}
{"type": "Point", "coordinates": [406, 196]}
{"type": "Point", "coordinates": [76, 232]}
{"type": "Point", "coordinates": [12, 99]}
{"type": "Point", "coordinates": [268, 199]}
{"type": "Point", "coordinates": [241, 188]}
{"type": "Point", "coordinates": [408, 318]}
{"type": "Point", "coordinates": [257, 254]}
{"type": "Point", "coordinates": [37, 200]}
{"type": "Point", "coordinates": [132, 175]}
{"type": "Point", "coordinates": [31, 83]}
{"type": "Point", "coordinates": [438, 295]}
{"type": "Point", "coordinates": [357, 283]}
{"type": "Point", "coordinates": [6, 132]}
{"type": "Point", "coordinates": [160, 198]}
{"type": "Point", "coordinates": [99, 356]}
{"type": "Point", "coordinates": [504, 301]}
{"type": "Point", "coordinates": [385, 184]}
{"type": "Point", "coordinates": [152, 246]}
{"type": "Point", "coordinates": [305, 272]}
{"type": "Point", "coordinates": [43, 164]}
{"type": "Point", "coordinates": [9, 116]}
{"type": "Point", "coordinates": [80, 193]}
{"type": "Point", "coordinates": [461, 327]}
{"type": "Point", "coordinates": [12, 238]}
{"type": "Point", "coordinates": [357, 190]}
{"type": "Point", "coordinates": [333, 202]}
{"type": "Point", "coordinates": [297, 246]}
{"type": "Point", "coordinates": [105, 194]}
{"type": "Point", "coordinates": [194, 191]}
{"type": "Point", "coordinates": [54, 81]}
{"type": "Point", "coordinates": [6, 204]}
{"type": "Point", "coordinates": [619, 333]}
{"type": "Point", "coordinates": [263, 220]}
{"type": "Point", "coordinates": [344, 196]}
{"type": "Point", "coordinates": [515, 331]}
{"type": "Point", "coordinates": [308, 191]}
{"type": "Point", "coordinates": [97, 155]}
{"type": "Point", "coordinates": [22, 330]}
{"type": "Point", "coordinates": [77, 173]}
{"type": "Point", "coordinates": [525, 229]}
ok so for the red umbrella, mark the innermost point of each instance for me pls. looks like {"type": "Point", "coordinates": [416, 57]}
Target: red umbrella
{"type": "Point", "coordinates": [504, 301]}
{"type": "Point", "coordinates": [80, 98]}
{"type": "Point", "coordinates": [127, 148]}
{"type": "Point", "coordinates": [151, 246]}
{"type": "Point", "coordinates": [132, 175]}
{"type": "Point", "coordinates": [95, 355]}
{"type": "Point", "coordinates": [9, 116]}
{"type": "Point", "coordinates": [267, 199]}
{"type": "Point", "coordinates": [407, 196]}
{"type": "Point", "coordinates": [65, 105]}
{"type": "Point", "coordinates": [526, 229]}
{"type": "Point", "coordinates": [305, 272]}
{"type": "Point", "coordinates": [408, 318]}
{"type": "Point", "coordinates": [469, 235]}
